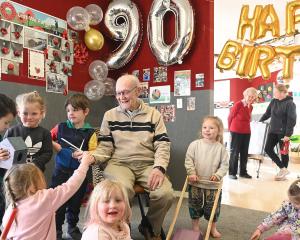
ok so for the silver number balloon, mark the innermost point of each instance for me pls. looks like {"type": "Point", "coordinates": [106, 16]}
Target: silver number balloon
{"type": "Point", "coordinates": [184, 15]}
{"type": "Point", "coordinates": [123, 21]}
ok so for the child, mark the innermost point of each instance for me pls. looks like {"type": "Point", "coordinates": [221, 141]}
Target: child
{"type": "Point", "coordinates": [286, 217]}
{"type": "Point", "coordinates": [109, 212]}
{"type": "Point", "coordinates": [31, 110]}
{"type": "Point", "coordinates": [206, 159]}
{"type": "Point", "coordinates": [25, 188]}
{"type": "Point", "coordinates": [82, 136]}
{"type": "Point", "coordinates": [8, 112]}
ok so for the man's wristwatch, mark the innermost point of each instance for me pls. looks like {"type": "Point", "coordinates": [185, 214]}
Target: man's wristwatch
{"type": "Point", "coordinates": [161, 169]}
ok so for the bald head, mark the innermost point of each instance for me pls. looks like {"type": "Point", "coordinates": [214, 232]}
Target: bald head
{"type": "Point", "coordinates": [128, 80]}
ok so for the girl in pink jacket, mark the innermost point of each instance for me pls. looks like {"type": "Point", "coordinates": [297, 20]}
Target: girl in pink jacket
{"type": "Point", "coordinates": [109, 212]}
{"type": "Point", "coordinates": [35, 206]}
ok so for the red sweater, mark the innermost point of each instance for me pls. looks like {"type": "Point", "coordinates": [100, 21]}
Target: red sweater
{"type": "Point", "coordinates": [239, 118]}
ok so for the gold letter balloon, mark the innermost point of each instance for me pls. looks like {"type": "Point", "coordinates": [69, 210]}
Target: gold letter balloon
{"type": "Point", "coordinates": [93, 39]}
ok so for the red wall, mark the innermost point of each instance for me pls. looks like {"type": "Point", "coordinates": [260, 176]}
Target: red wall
{"type": "Point", "coordinates": [199, 59]}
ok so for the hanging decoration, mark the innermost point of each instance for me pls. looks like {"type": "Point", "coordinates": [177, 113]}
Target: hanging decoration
{"type": "Point", "coordinates": [124, 24]}
{"type": "Point", "coordinates": [98, 70]}
{"type": "Point", "coordinates": [93, 39]}
{"type": "Point", "coordinates": [184, 15]}
{"type": "Point", "coordinates": [95, 13]}
{"type": "Point", "coordinates": [94, 90]}
{"type": "Point", "coordinates": [81, 54]}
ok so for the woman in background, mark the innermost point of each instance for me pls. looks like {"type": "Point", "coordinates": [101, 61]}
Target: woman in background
{"type": "Point", "coordinates": [239, 126]}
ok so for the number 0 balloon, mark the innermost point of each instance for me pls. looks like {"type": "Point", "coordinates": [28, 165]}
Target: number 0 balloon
{"type": "Point", "coordinates": [173, 53]}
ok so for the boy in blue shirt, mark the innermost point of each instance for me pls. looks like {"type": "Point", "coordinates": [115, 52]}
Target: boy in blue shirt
{"type": "Point", "coordinates": [82, 136]}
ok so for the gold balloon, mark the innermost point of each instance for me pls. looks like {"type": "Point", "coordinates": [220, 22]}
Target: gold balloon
{"type": "Point", "coordinates": [246, 22]}
{"type": "Point", "coordinates": [262, 57]}
{"type": "Point", "coordinates": [288, 53]}
{"type": "Point", "coordinates": [93, 39]}
{"type": "Point", "coordinates": [267, 12]}
{"type": "Point", "coordinates": [245, 60]}
{"type": "Point", "coordinates": [230, 51]}
{"type": "Point", "coordinates": [291, 18]}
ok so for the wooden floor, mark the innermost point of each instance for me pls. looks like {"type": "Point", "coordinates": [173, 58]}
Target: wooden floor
{"type": "Point", "coordinates": [263, 193]}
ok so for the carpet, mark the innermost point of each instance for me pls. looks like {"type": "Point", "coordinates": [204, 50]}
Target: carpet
{"type": "Point", "coordinates": [234, 223]}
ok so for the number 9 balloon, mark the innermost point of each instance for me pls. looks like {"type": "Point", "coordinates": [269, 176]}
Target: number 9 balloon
{"type": "Point", "coordinates": [94, 90]}
{"type": "Point", "coordinates": [123, 22]}
{"type": "Point", "coordinates": [78, 18]}
{"type": "Point", "coordinates": [171, 54]}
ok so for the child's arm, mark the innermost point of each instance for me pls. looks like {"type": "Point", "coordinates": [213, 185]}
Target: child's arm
{"type": "Point", "coordinates": [224, 165]}
{"type": "Point", "coordinates": [45, 153]}
{"type": "Point", "coordinates": [256, 235]}
{"type": "Point", "coordinates": [56, 145]}
{"type": "Point", "coordinates": [189, 163]}
{"type": "Point", "coordinates": [275, 218]}
{"type": "Point", "coordinates": [4, 154]}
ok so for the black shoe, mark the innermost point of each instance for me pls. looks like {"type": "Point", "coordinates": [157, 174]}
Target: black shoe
{"type": "Point", "coordinates": [233, 177]}
{"type": "Point", "coordinates": [59, 235]}
{"type": "Point", "coordinates": [74, 233]}
{"type": "Point", "coordinates": [246, 175]}
{"type": "Point", "coordinates": [145, 231]}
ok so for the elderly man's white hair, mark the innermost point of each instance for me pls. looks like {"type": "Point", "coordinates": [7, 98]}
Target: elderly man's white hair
{"type": "Point", "coordinates": [133, 79]}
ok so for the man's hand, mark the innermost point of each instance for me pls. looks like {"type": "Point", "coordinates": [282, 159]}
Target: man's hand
{"type": "Point", "coordinates": [156, 179]}
{"type": "Point", "coordinates": [193, 178]}
{"type": "Point", "coordinates": [4, 154]}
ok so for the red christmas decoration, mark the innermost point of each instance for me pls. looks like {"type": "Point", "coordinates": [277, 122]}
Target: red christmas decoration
{"type": "Point", "coordinates": [8, 15]}
{"type": "Point", "coordinates": [3, 31]}
{"type": "Point", "coordinates": [65, 34]}
{"type": "Point", "coordinates": [65, 70]}
{"type": "Point", "coordinates": [55, 41]}
{"type": "Point", "coordinates": [17, 53]}
{"type": "Point", "coordinates": [10, 67]}
{"type": "Point", "coordinates": [5, 50]}
{"type": "Point", "coordinates": [17, 35]}
{"type": "Point", "coordinates": [55, 53]}
{"type": "Point", "coordinates": [81, 54]}
{"type": "Point", "coordinates": [67, 58]}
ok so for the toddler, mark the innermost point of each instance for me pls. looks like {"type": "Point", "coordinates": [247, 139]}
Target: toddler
{"type": "Point", "coordinates": [109, 212]}
{"type": "Point", "coordinates": [206, 160]}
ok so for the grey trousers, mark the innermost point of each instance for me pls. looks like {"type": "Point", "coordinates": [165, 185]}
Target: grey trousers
{"type": "Point", "coordinates": [137, 173]}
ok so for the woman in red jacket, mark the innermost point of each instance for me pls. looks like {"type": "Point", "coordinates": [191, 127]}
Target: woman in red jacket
{"type": "Point", "coordinates": [239, 126]}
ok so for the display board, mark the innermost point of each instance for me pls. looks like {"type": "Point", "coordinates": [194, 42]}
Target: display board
{"type": "Point", "coordinates": [259, 132]}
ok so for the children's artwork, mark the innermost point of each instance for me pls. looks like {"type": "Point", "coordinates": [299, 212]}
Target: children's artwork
{"type": "Point", "coordinates": [67, 46]}
{"type": "Point", "coordinates": [136, 73]}
{"type": "Point", "coordinates": [168, 113]}
{"type": "Point", "coordinates": [10, 67]}
{"type": "Point", "coordinates": [73, 36]}
{"type": "Point", "coordinates": [67, 57]}
{"type": "Point", "coordinates": [265, 92]}
{"type": "Point", "coordinates": [191, 104]}
{"type": "Point", "coordinates": [160, 94]}
{"type": "Point", "coordinates": [5, 30]}
{"type": "Point", "coordinates": [199, 80]}
{"type": "Point", "coordinates": [16, 52]}
{"type": "Point", "coordinates": [179, 102]}
{"type": "Point", "coordinates": [17, 33]}
{"type": "Point", "coordinates": [54, 41]}
{"type": "Point", "coordinates": [182, 83]}
{"type": "Point", "coordinates": [36, 65]}
{"type": "Point", "coordinates": [144, 90]}
{"type": "Point", "coordinates": [54, 54]}
{"type": "Point", "coordinates": [52, 66]}
{"type": "Point", "coordinates": [146, 74]}
{"type": "Point", "coordinates": [66, 69]}
{"type": "Point", "coordinates": [5, 47]}
{"type": "Point", "coordinates": [32, 18]}
{"type": "Point", "coordinates": [56, 83]}
{"type": "Point", "coordinates": [35, 40]}
{"type": "Point", "coordinates": [160, 74]}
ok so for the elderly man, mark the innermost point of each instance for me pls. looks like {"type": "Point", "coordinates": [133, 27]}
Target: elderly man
{"type": "Point", "coordinates": [134, 137]}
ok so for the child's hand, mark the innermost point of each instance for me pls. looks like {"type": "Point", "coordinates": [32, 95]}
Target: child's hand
{"type": "Point", "coordinates": [214, 178]}
{"type": "Point", "coordinates": [193, 178]}
{"type": "Point", "coordinates": [4, 154]}
{"type": "Point", "coordinates": [57, 147]}
{"type": "Point", "coordinates": [256, 235]}
{"type": "Point", "coordinates": [87, 158]}
{"type": "Point", "coordinates": [77, 154]}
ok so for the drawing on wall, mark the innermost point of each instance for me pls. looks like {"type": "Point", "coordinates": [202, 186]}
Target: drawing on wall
{"type": "Point", "coordinates": [136, 73]}
{"type": "Point", "coordinates": [17, 33]}
{"type": "Point", "coordinates": [168, 112]}
{"type": "Point", "coordinates": [36, 65]}
{"type": "Point", "coordinates": [160, 74]}
{"type": "Point", "coordinates": [199, 80]}
{"type": "Point", "coordinates": [182, 83]}
{"type": "Point", "coordinates": [17, 52]}
{"type": "Point", "coordinates": [5, 47]}
{"type": "Point", "coordinates": [35, 40]}
{"type": "Point", "coordinates": [10, 67]}
{"type": "Point", "coordinates": [191, 104]}
{"type": "Point", "coordinates": [5, 30]}
{"type": "Point", "coordinates": [52, 66]}
{"type": "Point", "coordinates": [146, 74]}
{"type": "Point", "coordinates": [56, 83]}
{"type": "Point", "coordinates": [144, 92]}
{"type": "Point", "coordinates": [160, 94]}
{"type": "Point", "coordinates": [265, 92]}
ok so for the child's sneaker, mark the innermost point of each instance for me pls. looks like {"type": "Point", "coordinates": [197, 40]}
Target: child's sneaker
{"type": "Point", "coordinates": [281, 175]}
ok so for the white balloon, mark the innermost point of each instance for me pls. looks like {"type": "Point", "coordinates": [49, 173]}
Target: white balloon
{"type": "Point", "coordinates": [98, 70]}
{"type": "Point", "coordinates": [95, 13]}
{"type": "Point", "coordinates": [78, 18]}
{"type": "Point", "coordinates": [184, 15]}
{"type": "Point", "coordinates": [110, 87]}
{"type": "Point", "coordinates": [94, 90]}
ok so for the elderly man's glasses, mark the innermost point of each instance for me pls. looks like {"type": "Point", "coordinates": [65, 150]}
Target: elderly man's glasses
{"type": "Point", "coordinates": [125, 92]}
